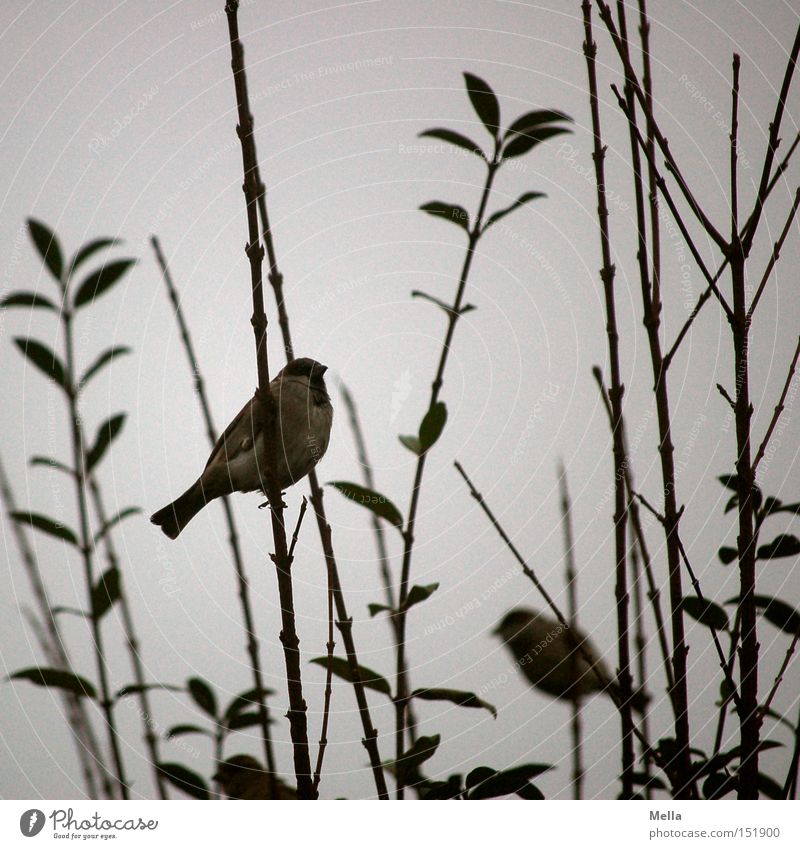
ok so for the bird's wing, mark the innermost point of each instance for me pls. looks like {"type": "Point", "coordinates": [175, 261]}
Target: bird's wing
{"type": "Point", "coordinates": [238, 435]}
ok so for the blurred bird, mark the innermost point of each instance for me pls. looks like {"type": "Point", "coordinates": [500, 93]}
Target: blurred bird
{"type": "Point", "coordinates": [548, 655]}
{"type": "Point", "coordinates": [303, 426]}
{"type": "Point", "coordinates": [243, 777]}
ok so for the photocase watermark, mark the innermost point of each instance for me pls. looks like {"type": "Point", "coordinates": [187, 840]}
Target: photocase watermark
{"type": "Point", "coordinates": [545, 398]}
{"type": "Point", "coordinates": [100, 141]}
{"type": "Point", "coordinates": [536, 253]}
{"type": "Point", "coordinates": [633, 448]}
{"type": "Point", "coordinates": [401, 390]}
{"type": "Point", "coordinates": [719, 117]}
{"type": "Point", "coordinates": [472, 605]}
{"type": "Point", "coordinates": [569, 154]}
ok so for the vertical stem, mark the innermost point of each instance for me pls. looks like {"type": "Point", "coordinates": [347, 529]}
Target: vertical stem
{"type": "Point", "coordinates": [79, 465]}
{"type": "Point", "coordinates": [640, 643]}
{"type": "Point", "coordinates": [615, 392]}
{"type": "Point", "coordinates": [572, 613]}
{"type": "Point", "coordinates": [298, 720]}
{"type": "Point", "coordinates": [401, 691]}
{"type": "Point", "coordinates": [253, 648]}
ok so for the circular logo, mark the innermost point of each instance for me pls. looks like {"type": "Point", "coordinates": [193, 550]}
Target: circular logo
{"type": "Point", "coordinates": [31, 822]}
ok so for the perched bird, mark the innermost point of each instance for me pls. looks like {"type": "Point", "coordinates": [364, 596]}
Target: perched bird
{"type": "Point", "coordinates": [303, 426]}
{"type": "Point", "coordinates": [548, 655]}
{"type": "Point", "coordinates": [243, 777]}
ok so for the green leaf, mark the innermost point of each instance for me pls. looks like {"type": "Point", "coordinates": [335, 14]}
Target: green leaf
{"type": "Point", "coordinates": [454, 138]}
{"type": "Point", "coordinates": [369, 678]}
{"type": "Point", "coordinates": [104, 358]}
{"type": "Point", "coordinates": [28, 299]}
{"type": "Point", "coordinates": [374, 501]}
{"type": "Point", "coordinates": [106, 592]}
{"type": "Point", "coordinates": [520, 201]}
{"type": "Point", "coordinates": [100, 281]}
{"type": "Point", "coordinates": [57, 678]}
{"type": "Point", "coordinates": [461, 698]}
{"type": "Point", "coordinates": [449, 211]}
{"type": "Point", "coordinates": [106, 434]}
{"type": "Point", "coordinates": [727, 554]}
{"type": "Point", "coordinates": [88, 250]}
{"type": "Point", "coordinates": [374, 609]}
{"type": "Point", "coordinates": [180, 730]}
{"type": "Point", "coordinates": [46, 243]}
{"type": "Point", "coordinates": [522, 143]}
{"type": "Point", "coordinates": [423, 749]}
{"type": "Point", "coordinates": [133, 689]}
{"type": "Point", "coordinates": [505, 782]}
{"type": "Point", "coordinates": [412, 443]}
{"type": "Point", "coordinates": [432, 425]}
{"type": "Point", "coordinates": [203, 696]}
{"type": "Point", "coordinates": [784, 545]}
{"type": "Point", "coordinates": [184, 779]}
{"type": "Point", "coordinates": [484, 102]}
{"type": "Point", "coordinates": [419, 593]}
{"type": "Point", "coordinates": [115, 520]}
{"type": "Point", "coordinates": [709, 614]}
{"type": "Point", "coordinates": [245, 700]}
{"type": "Point", "coordinates": [52, 463]}
{"type": "Point", "coordinates": [43, 523]}
{"type": "Point", "coordinates": [44, 359]}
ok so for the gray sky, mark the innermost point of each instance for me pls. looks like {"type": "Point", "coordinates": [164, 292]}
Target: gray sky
{"type": "Point", "coordinates": [118, 120]}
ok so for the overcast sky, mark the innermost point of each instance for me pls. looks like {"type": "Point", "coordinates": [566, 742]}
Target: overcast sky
{"type": "Point", "coordinates": [119, 120]}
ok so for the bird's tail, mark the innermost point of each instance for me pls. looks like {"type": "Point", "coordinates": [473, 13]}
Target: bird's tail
{"type": "Point", "coordinates": [173, 518]}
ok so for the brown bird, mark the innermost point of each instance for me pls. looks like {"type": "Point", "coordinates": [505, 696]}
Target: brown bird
{"type": "Point", "coordinates": [243, 777]}
{"type": "Point", "coordinates": [304, 423]}
{"type": "Point", "coordinates": [549, 657]}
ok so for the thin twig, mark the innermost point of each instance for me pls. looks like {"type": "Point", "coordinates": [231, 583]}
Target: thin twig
{"type": "Point", "coordinates": [781, 672]}
{"type": "Point", "coordinates": [778, 409]}
{"type": "Point", "coordinates": [298, 720]}
{"type": "Point", "coordinates": [252, 643]}
{"type": "Point", "coordinates": [607, 274]}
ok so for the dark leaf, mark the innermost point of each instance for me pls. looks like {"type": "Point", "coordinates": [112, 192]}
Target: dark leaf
{"type": "Point", "coordinates": [454, 138]}
{"type": "Point", "coordinates": [419, 593]}
{"type": "Point", "coordinates": [27, 299]}
{"type": "Point", "coordinates": [729, 482]}
{"type": "Point", "coordinates": [89, 250]}
{"type": "Point", "coordinates": [100, 281]}
{"type": "Point", "coordinates": [104, 358]}
{"type": "Point", "coordinates": [732, 482]}
{"type": "Point", "coordinates": [779, 718]}
{"type": "Point", "coordinates": [243, 720]}
{"type": "Point", "coordinates": [784, 545]}
{"type": "Point", "coordinates": [452, 788]}
{"type": "Point", "coordinates": [114, 520]}
{"type": "Point", "coordinates": [106, 592]}
{"type": "Point", "coordinates": [374, 501]}
{"type": "Point", "coordinates": [508, 781]}
{"type": "Point", "coordinates": [642, 779]}
{"type": "Point", "coordinates": [412, 443]}
{"type": "Point", "coordinates": [779, 613]}
{"type": "Point", "coordinates": [718, 785]}
{"type": "Point", "coordinates": [769, 787]}
{"type": "Point", "coordinates": [479, 775]}
{"type": "Point", "coordinates": [370, 679]}
{"type": "Point", "coordinates": [720, 761]}
{"type": "Point", "coordinates": [184, 779]}
{"type": "Point", "coordinates": [58, 678]}
{"type": "Point", "coordinates": [450, 211]}
{"type": "Point", "coordinates": [446, 307]}
{"type": "Point", "coordinates": [47, 244]}
{"type": "Point", "coordinates": [521, 144]}
{"type": "Point", "coordinates": [727, 554]}
{"type": "Point", "coordinates": [51, 463]}
{"type": "Point", "coordinates": [421, 750]}
{"type": "Point", "coordinates": [106, 434]}
{"type": "Point", "coordinates": [203, 696]}
{"type": "Point", "coordinates": [789, 508]}
{"type": "Point", "coordinates": [709, 614]}
{"type": "Point", "coordinates": [73, 611]}
{"type": "Point", "coordinates": [520, 201]}
{"type": "Point", "coordinates": [531, 120]}
{"type": "Point", "coordinates": [44, 359]}
{"type": "Point", "coordinates": [374, 609]}
{"type": "Point", "coordinates": [484, 102]}
{"type": "Point", "coordinates": [432, 425]}
{"type": "Point", "coordinates": [772, 505]}
{"type": "Point", "coordinates": [457, 697]}
{"type": "Point", "coordinates": [180, 730]}
{"type": "Point", "coordinates": [245, 700]}
{"type": "Point", "coordinates": [43, 523]}
{"type": "Point", "coordinates": [133, 689]}
{"type": "Point", "coordinates": [732, 502]}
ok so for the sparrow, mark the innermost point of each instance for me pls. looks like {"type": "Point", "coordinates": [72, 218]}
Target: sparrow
{"type": "Point", "coordinates": [243, 777]}
{"type": "Point", "coordinates": [549, 657]}
{"type": "Point", "coordinates": [303, 426]}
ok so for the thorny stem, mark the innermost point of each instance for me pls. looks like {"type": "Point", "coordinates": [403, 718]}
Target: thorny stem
{"type": "Point", "coordinates": [253, 648]}
{"type": "Point", "coordinates": [297, 714]}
